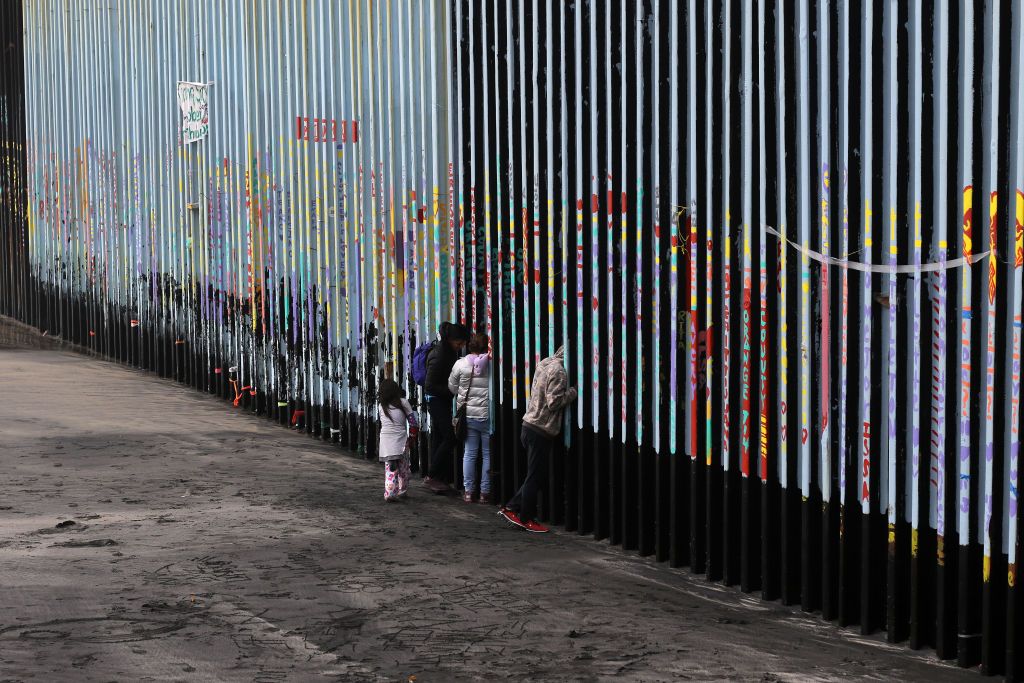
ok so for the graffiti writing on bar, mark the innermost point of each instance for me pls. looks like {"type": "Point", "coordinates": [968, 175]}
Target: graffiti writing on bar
{"type": "Point", "coordinates": [326, 130]}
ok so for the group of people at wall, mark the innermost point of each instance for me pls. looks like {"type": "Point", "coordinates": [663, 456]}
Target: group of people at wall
{"type": "Point", "coordinates": [457, 389]}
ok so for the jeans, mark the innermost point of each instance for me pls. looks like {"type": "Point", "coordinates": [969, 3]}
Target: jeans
{"type": "Point", "coordinates": [478, 440]}
{"type": "Point", "coordinates": [442, 438]}
{"type": "Point", "coordinates": [538, 451]}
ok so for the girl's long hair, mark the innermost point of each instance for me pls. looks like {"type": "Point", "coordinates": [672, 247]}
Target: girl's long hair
{"type": "Point", "coordinates": [479, 343]}
{"type": "Point", "coordinates": [390, 395]}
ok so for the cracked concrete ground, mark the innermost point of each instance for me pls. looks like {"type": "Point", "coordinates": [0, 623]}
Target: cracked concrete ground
{"type": "Point", "coordinates": [211, 545]}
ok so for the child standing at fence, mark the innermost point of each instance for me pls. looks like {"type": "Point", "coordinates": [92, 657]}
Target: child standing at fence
{"type": "Point", "coordinates": [398, 429]}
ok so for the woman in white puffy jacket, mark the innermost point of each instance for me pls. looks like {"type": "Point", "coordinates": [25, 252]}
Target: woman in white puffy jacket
{"type": "Point", "coordinates": [470, 381]}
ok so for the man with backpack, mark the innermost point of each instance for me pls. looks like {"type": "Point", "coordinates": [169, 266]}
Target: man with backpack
{"type": "Point", "coordinates": [435, 365]}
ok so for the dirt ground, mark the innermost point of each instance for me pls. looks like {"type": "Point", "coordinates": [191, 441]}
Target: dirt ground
{"type": "Point", "coordinates": [210, 545]}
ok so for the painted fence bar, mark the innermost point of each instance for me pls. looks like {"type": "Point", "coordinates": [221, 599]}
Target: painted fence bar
{"type": "Point", "coordinates": [782, 242]}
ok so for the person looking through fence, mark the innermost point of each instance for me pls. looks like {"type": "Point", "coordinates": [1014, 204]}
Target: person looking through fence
{"type": "Point", "coordinates": [398, 429]}
{"type": "Point", "coordinates": [541, 424]}
{"type": "Point", "coordinates": [470, 381]}
{"type": "Point", "coordinates": [440, 361]}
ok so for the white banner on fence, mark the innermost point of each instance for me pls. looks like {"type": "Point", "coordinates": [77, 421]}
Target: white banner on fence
{"type": "Point", "coordinates": [885, 269]}
{"type": "Point", "coordinates": [194, 101]}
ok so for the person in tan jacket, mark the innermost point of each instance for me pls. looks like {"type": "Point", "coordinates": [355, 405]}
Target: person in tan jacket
{"type": "Point", "coordinates": [542, 422]}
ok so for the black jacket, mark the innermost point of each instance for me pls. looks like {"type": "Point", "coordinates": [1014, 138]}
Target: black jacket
{"type": "Point", "coordinates": [440, 362]}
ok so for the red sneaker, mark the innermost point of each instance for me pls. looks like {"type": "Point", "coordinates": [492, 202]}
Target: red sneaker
{"type": "Point", "coordinates": [467, 497]}
{"type": "Point", "coordinates": [535, 527]}
{"type": "Point", "coordinates": [511, 517]}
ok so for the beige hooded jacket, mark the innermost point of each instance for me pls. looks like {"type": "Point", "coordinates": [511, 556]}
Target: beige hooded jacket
{"type": "Point", "coordinates": [549, 394]}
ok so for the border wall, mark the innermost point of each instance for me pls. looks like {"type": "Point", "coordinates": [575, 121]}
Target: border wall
{"type": "Point", "coordinates": [782, 242]}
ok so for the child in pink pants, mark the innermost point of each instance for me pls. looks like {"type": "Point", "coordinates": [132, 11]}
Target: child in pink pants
{"type": "Point", "coordinates": [398, 429]}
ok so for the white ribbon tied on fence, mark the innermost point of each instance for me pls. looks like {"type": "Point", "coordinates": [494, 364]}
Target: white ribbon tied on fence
{"type": "Point", "coordinates": [884, 269]}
